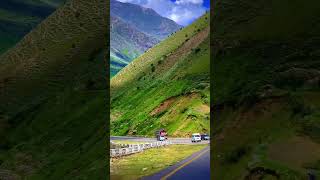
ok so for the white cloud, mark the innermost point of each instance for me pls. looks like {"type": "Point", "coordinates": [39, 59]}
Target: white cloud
{"type": "Point", "coordinates": [182, 12]}
{"type": "Point", "coordinates": [189, 1]}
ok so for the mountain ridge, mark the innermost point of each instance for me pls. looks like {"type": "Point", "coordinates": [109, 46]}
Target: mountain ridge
{"type": "Point", "coordinates": [19, 17]}
{"type": "Point", "coordinates": [147, 26]}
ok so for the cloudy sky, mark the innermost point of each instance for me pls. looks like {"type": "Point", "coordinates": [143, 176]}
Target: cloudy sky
{"type": "Point", "coordinates": [181, 11]}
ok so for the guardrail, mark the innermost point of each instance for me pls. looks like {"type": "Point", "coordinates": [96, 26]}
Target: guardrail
{"type": "Point", "coordinates": [135, 148]}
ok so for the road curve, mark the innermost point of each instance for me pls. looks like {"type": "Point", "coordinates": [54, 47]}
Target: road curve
{"type": "Point", "coordinates": [196, 166]}
{"type": "Point", "coordinates": [145, 139]}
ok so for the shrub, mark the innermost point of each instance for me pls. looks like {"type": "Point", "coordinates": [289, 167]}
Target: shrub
{"type": "Point", "coordinates": [90, 84]}
{"type": "Point", "coordinates": [77, 14]}
{"type": "Point", "coordinates": [184, 110]}
{"type": "Point", "coordinates": [298, 107]}
{"type": "Point", "coordinates": [153, 68]}
{"type": "Point", "coordinates": [160, 114]}
{"type": "Point", "coordinates": [235, 155]}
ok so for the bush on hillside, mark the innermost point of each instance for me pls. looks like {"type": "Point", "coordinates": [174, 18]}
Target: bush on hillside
{"type": "Point", "coordinates": [298, 106]}
{"type": "Point", "coordinates": [235, 155]}
{"type": "Point", "coordinates": [184, 110]}
{"type": "Point", "coordinates": [90, 84]}
{"type": "Point", "coordinates": [5, 145]}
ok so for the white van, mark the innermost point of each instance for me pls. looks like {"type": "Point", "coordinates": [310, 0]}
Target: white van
{"type": "Point", "coordinates": [196, 137]}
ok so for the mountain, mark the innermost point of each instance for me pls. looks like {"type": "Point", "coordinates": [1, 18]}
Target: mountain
{"type": "Point", "coordinates": [166, 87]}
{"type": "Point", "coordinates": [267, 89]}
{"type": "Point", "coordinates": [53, 97]}
{"type": "Point", "coordinates": [144, 19]}
{"type": "Point", "coordinates": [18, 17]}
{"type": "Point", "coordinates": [134, 29]}
{"type": "Point", "coordinates": [126, 43]}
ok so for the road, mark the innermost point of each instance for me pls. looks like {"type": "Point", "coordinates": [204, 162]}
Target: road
{"type": "Point", "coordinates": [144, 139]}
{"type": "Point", "coordinates": [197, 166]}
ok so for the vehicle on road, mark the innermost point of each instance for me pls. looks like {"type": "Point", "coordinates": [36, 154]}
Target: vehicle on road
{"type": "Point", "coordinates": [205, 137]}
{"type": "Point", "coordinates": [161, 135]}
{"type": "Point", "coordinates": [196, 137]}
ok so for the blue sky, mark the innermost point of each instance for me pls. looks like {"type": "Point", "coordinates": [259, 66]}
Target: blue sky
{"type": "Point", "coordinates": [182, 12]}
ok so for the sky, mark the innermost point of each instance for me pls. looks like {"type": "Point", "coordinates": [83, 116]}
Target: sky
{"type": "Point", "coordinates": [182, 12]}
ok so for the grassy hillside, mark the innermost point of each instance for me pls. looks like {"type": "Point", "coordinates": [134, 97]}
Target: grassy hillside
{"type": "Point", "coordinates": [53, 110]}
{"type": "Point", "coordinates": [166, 87]}
{"type": "Point", "coordinates": [18, 17]}
{"type": "Point", "coordinates": [267, 78]}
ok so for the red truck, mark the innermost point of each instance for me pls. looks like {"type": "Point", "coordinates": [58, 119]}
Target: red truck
{"type": "Point", "coordinates": [161, 135]}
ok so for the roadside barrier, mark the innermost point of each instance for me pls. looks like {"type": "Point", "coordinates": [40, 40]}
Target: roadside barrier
{"type": "Point", "coordinates": [135, 148]}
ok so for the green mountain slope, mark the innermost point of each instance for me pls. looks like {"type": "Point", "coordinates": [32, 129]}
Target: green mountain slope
{"type": "Point", "coordinates": [52, 84]}
{"type": "Point", "coordinates": [166, 87]}
{"type": "Point", "coordinates": [266, 74]}
{"type": "Point", "coordinates": [18, 17]}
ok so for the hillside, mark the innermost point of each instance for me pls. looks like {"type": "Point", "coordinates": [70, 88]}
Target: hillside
{"type": "Point", "coordinates": [166, 87]}
{"type": "Point", "coordinates": [134, 29]}
{"type": "Point", "coordinates": [267, 78]}
{"type": "Point", "coordinates": [18, 17]}
{"type": "Point", "coordinates": [53, 94]}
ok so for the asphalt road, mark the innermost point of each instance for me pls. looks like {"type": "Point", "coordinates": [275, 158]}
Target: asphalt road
{"type": "Point", "coordinates": [143, 139]}
{"type": "Point", "coordinates": [197, 166]}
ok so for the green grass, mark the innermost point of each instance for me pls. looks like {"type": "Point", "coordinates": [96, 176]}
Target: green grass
{"type": "Point", "coordinates": [153, 160]}
{"type": "Point", "coordinates": [160, 75]}
{"type": "Point", "coordinates": [51, 135]}
{"type": "Point", "coordinates": [53, 121]}
{"type": "Point", "coordinates": [136, 104]}
{"type": "Point", "coordinates": [17, 23]}
{"type": "Point", "coordinates": [263, 93]}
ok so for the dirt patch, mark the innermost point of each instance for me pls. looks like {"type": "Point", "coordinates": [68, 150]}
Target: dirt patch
{"type": "Point", "coordinates": [203, 108]}
{"type": "Point", "coordinates": [163, 106]}
{"type": "Point", "coordinates": [262, 110]}
{"type": "Point", "coordinates": [168, 102]}
{"type": "Point", "coordinates": [295, 152]}
{"type": "Point", "coordinates": [115, 115]}
{"type": "Point", "coordinates": [183, 51]}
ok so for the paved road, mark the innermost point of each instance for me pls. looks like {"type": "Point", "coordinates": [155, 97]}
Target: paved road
{"type": "Point", "coordinates": [197, 166]}
{"type": "Point", "coordinates": [143, 139]}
